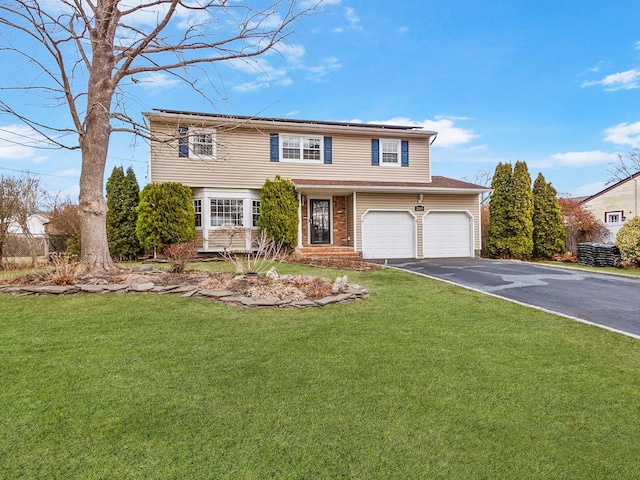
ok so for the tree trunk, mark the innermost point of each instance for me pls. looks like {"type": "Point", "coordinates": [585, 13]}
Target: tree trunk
{"type": "Point", "coordinates": [93, 206]}
{"type": "Point", "coordinates": [94, 143]}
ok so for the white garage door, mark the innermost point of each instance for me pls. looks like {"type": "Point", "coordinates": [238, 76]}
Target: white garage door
{"type": "Point", "coordinates": [388, 235]}
{"type": "Point", "coordinates": [447, 234]}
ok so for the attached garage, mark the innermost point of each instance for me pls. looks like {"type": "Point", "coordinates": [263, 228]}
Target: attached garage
{"type": "Point", "coordinates": [388, 234]}
{"type": "Point", "coordinates": [448, 234]}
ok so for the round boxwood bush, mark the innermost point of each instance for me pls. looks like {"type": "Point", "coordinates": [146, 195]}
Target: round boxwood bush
{"type": "Point", "coordinates": [628, 241]}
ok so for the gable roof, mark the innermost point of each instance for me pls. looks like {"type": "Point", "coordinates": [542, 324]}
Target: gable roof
{"type": "Point", "coordinates": [291, 120]}
{"type": "Point", "coordinates": [611, 187]}
{"type": "Point", "coordinates": [275, 124]}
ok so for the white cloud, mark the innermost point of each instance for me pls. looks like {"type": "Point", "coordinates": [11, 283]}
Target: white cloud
{"type": "Point", "coordinates": [588, 189]}
{"type": "Point", "coordinates": [624, 134]}
{"type": "Point", "coordinates": [627, 80]}
{"type": "Point", "coordinates": [71, 172]}
{"type": "Point", "coordinates": [581, 159]}
{"type": "Point", "coordinates": [18, 142]}
{"type": "Point", "coordinates": [476, 148]}
{"type": "Point", "coordinates": [403, 29]}
{"type": "Point", "coordinates": [265, 74]}
{"type": "Point", "coordinates": [157, 80]}
{"type": "Point", "coordinates": [319, 3]}
{"type": "Point", "coordinates": [449, 135]}
{"type": "Point", "coordinates": [638, 46]}
{"type": "Point", "coordinates": [327, 65]}
{"type": "Point", "coordinates": [352, 17]}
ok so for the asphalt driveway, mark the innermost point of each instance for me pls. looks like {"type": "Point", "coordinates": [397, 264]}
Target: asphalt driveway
{"type": "Point", "coordinates": [609, 301]}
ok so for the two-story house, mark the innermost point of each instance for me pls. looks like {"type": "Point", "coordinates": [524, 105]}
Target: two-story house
{"type": "Point", "coordinates": [616, 204]}
{"type": "Point", "coordinates": [362, 187]}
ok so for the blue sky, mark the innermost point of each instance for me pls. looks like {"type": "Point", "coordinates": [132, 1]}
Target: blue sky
{"type": "Point", "coordinates": [556, 84]}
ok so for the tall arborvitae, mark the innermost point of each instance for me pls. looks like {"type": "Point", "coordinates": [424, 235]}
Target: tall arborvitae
{"type": "Point", "coordinates": [510, 212]}
{"type": "Point", "coordinates": [500, 212]}
{"type": "Point", "coordinates": [123, 194]}
{"type": "Point", "coordinates": [165, 215]}
{"type": "Point", "coordinates": [521, 244]}
{"type": "Point", "coordinates": [548, 231]}
{"type": "Point", "coordinates": [279, 211]}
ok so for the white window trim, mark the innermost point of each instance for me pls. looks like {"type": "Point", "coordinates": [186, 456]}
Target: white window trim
{"type": "Point", "coordinates": [302, 139]}
{"type": "Point", "coordinates": [202, 224]}
{"type": "Point", "coordinates": [620, 214]}
{"type": "Point", "coordinates": [399, 153]}
{"type": "Point", "coordinates": [251, 201]}
{"type": "Point", "coordinates": [193, 133]}
{"type": "Point", "coordinates": [247, 197]}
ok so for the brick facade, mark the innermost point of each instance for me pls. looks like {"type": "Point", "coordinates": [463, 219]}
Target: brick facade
{"type": "Point", "coordinates": [339, 219]}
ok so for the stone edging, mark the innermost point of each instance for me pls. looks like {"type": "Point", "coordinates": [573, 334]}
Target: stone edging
{"type": "Point", "coordinates": [352, 292]}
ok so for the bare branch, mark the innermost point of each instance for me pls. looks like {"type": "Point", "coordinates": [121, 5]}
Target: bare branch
{"type": "Point", "coordinates": [627, 165]}
{"type": "Point", "coordinates": [83, 50]}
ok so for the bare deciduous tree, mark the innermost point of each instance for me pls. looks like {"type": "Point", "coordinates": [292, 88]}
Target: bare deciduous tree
{"type": "Point", "coordinates": [30, 197]}
{"type": "Point", "coordinates": [86, 53]}
{"type": "Point", "coordinates": [483, 178]}
{"type": "Point", "coordinates": [20, 198]}
{"type": "Point", "coordinates": [628, 164]}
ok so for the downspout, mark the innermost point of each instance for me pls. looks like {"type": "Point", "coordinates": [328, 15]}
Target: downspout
{"type": "Point", "coordinates": [635, 182]}
{"type": "Point", "coordinates": [299, 220]}
{"type": "Point", "coordinates": [355, 223]}
{"type": "Point", "coordinates": [435, 135]}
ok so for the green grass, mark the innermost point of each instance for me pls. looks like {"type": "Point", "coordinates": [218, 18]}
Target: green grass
{"type": "Point", "coordinates": [632, 272]}
{"type": "Point", "coordinates": [421, 380]}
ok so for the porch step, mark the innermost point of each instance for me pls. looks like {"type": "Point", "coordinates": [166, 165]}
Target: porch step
{"type": "Point", "coordinates": [345, 253]}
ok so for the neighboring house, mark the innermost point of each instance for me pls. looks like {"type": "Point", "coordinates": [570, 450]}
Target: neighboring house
{"type": "Point", "coordinates": [20, 245]}
{"type": "Point", "coordinates": [35, 224]}
{"type": "Point", "coordinates": [616, 204]}
{"type": "Point", "coordinates": [361, 187]}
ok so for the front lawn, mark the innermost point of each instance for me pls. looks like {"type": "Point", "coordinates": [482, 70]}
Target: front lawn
{"type": "Point", "coordinates": [421, 380]}
{"type": "Point", "coordinates": [632, 272]}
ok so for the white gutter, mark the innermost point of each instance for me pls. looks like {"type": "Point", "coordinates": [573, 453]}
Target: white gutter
{"type": "Point", "coordinates": [392, 189]}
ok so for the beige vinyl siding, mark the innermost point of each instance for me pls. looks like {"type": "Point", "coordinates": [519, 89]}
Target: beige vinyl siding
{"type": "Point", "coordinates": [221, 239]}
{"type": "Point", "coordinates": [407, 202]}
{"type": "Point", "coordinates": [623, 197]}
{"type": "Point", "coordinates": [243, 160]}
{"type": "Point", "coordinates": [350, 236]}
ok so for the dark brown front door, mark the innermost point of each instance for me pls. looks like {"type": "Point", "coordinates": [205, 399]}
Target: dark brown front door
{"type": "Point", "coordinates": [320, 221]}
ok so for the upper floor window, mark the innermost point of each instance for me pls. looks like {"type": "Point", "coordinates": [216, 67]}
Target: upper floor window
{"type": "Point", "coordinates": [394, 153]}
{"type": "Point", "coordinates": [196, 142]}
{"type": "Point", "coordinates": [390, 152]}
{"type": "Point", "coordinates": [301, 148]}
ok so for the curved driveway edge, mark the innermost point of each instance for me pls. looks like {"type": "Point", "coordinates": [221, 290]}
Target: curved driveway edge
{"type": "Point", "coordinates": [606, 301]}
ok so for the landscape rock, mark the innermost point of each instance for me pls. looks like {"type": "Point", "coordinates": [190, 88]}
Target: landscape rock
{"type": "Point", "coordinates": [92, 288]}
{"type": "Point", "coordinates": [215, 293]}
{"type": "Point", "coordinates": [270, 294]}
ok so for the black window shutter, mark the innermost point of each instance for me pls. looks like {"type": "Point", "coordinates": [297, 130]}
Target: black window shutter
{"type": "Point", "coordinates": [183, 142]}
{"type": "Point", "coordinates": [405, 153]}
{"type": "Point", "coordinates": [375, 151]}
{"type": "Point", "coordinates": [328, 146]}
{"type": "Point", "coordinates": [275, 147]}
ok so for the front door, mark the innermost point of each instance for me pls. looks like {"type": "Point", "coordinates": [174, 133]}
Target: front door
{"type": "Point", "coordinates": [320, 221]}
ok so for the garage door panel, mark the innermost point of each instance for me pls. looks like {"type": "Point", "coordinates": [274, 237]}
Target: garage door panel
{"type": "Point", "coordinates": [388, 235]}
{"type": "Point", "coordinates": [447, 234]}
